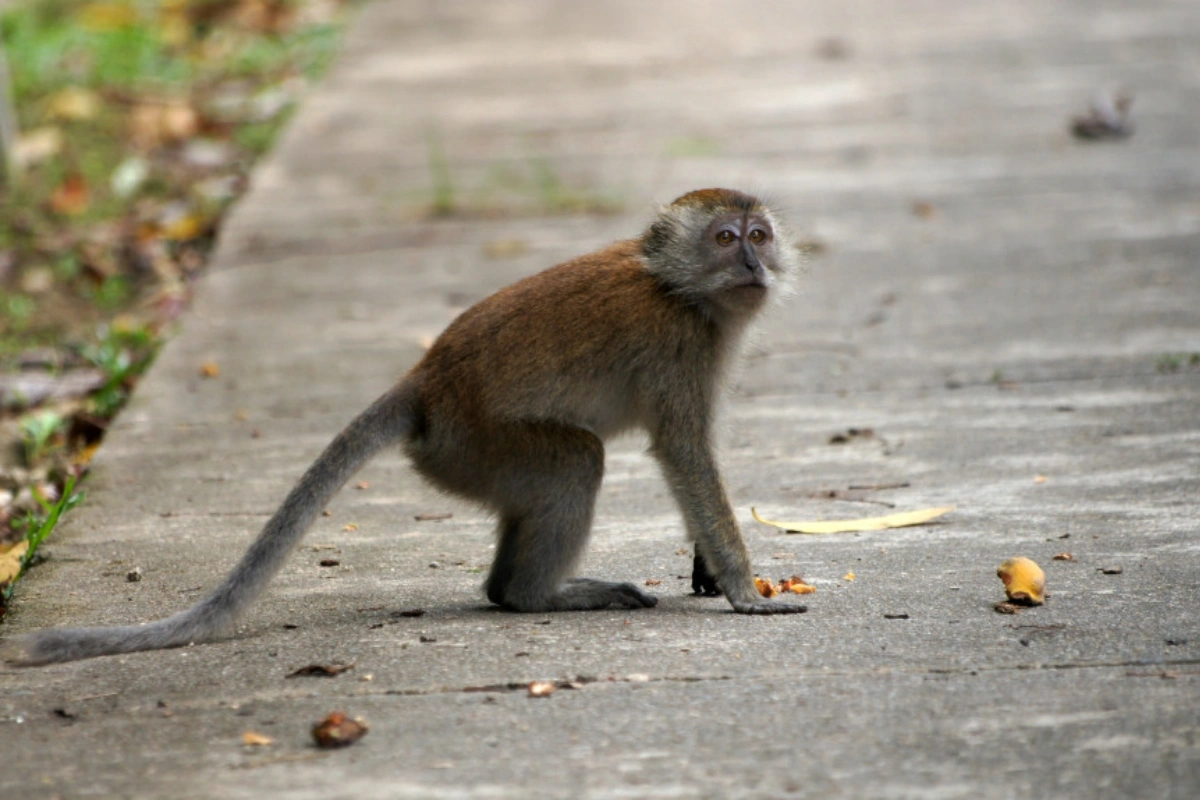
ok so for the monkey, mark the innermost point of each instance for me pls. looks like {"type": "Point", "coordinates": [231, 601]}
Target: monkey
{"type": "Point", "coordinates": [511, 405]}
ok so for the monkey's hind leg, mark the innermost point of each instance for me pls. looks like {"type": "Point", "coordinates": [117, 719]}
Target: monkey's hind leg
{"type": "Point", "coordinates": [549, 492]}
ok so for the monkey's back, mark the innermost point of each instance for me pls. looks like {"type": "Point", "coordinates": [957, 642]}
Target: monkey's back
{"type": "Point", "coordinates": [583, 343]}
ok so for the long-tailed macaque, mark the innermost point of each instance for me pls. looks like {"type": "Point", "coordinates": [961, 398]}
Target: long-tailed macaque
{"type": "Point", "coordinates": [510, 408]}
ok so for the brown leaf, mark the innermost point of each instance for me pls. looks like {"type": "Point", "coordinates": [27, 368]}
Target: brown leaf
{"type": "Point", "coordinates": [153, 123]}
{"type": "Point", "coordinates": [71, 197]}
{"type": "Point", "coordinates": [1064, 557]}
{"type": "Point", "coordinates": [338, 730]}
{"type": "Point", "coordinates": [321, 671]}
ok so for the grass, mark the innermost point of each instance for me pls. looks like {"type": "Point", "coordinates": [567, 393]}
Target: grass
{"type": "Point", "coordinates": [37, 527]}
{"type": "Point", "coordinates": [112, 216]}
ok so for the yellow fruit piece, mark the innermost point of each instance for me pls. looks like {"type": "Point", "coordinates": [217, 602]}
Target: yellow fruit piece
{"type": "Point", "coordinates": [765, 587]}
{"type": "Point", "coordinates": [1024, 581]}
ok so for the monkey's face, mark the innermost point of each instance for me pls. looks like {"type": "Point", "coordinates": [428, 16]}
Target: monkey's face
{"type": "Point", "coordinates": [739, 260]}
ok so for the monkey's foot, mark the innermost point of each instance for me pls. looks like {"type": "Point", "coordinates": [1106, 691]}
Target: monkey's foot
{"type": "Point", "coordinates": [587, 594]}
{"type": "Point", "coordinates": [767, 607]}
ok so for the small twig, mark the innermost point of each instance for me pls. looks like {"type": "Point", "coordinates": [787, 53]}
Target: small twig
{"type": "Point", "coordinates": [8, 127]}
{"type": "Point", "coordinates": [883, 503]}
{"type": "Point", "coordinates": [263, 762]}
{"type": "Point", "coordinates": [92, 697]}
{"type": "Point", "coordinates": [876, 487]}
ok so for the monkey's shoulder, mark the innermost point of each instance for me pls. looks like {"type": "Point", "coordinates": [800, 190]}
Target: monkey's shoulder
{"type": "Point", "coordinates": [595, 296]}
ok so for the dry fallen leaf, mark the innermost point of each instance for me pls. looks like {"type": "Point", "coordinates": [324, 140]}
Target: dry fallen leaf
{"type": "Point", "coordinates": [71, 197]}
{"type": "Point", "coordinates": [255, 739]}
{"type": "Point", "coordinates": [320, 671]}
{"type": "Point", "coordinates": [338, 730]}
{"type": "Point", "coordinates": [350, 527]}
{"type": "Point", "coordinates": [541, 689]}
{"type": "Point", "coordinates": [900, 520]}
{"type": "Point", "coordinates": [73, 104]}
{"type": "Point", "coordinates": [210, 369]}
{"type": "Point", "coordinates": [156, 123]}
{"type": "Point", "coordinates": [1064, 557]}
{"type": "Point", "coordinates": [1024, 581]}
{"type": "Point", "coordinates": [10, 560]}
{"type": "Point", "coordinates": [849, 576]}
{"type": "Point", "coordinates": [38, 145]}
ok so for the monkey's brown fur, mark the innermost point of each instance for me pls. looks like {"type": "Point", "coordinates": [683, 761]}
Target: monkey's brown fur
{"type": "Point", "coordinates": [512, 403]}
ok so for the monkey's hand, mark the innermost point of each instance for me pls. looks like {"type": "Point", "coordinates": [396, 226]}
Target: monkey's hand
{"type": "Point", "coordinates": [704, 583]}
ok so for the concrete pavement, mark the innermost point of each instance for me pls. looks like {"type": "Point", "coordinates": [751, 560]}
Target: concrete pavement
{"type": "Point", "coordinates": [1010, 312]}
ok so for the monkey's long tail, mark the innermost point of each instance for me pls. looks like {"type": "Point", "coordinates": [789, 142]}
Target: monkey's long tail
{"type": "Point", "coordinates": [389, 420]}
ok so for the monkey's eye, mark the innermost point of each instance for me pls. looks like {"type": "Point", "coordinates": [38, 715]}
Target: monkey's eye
{"type": "Point", "coordinates": [758, 236]}
{"type": "Point", "coordinates": [725, 238]}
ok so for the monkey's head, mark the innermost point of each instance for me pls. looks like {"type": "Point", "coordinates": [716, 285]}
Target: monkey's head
{"type": "Point", "coordinates": [720, 249]}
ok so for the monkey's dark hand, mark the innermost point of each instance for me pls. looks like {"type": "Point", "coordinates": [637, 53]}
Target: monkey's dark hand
{"type": "Point", "coordinates": [704, 583]}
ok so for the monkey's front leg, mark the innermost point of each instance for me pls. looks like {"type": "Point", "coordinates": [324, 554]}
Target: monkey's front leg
{"type": "Point", "coordinates": [692, 473]}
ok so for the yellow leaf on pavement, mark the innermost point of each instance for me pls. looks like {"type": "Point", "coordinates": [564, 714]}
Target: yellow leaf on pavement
{"type": "Point", "coordinates": [10, 560]}
{"type": "Point", "coordinates": [901, 520]}
{"type": "Point", "coordinates": [256, 739]}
